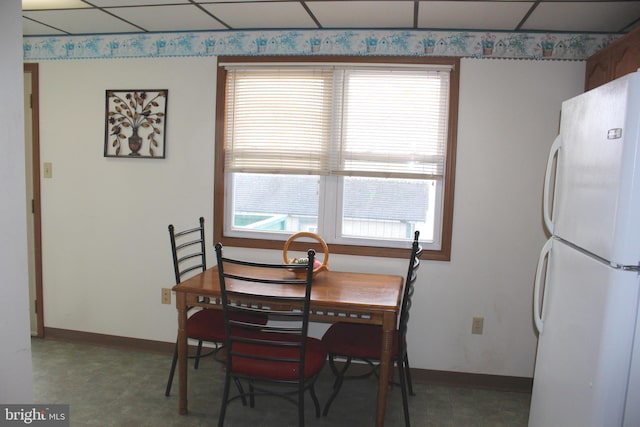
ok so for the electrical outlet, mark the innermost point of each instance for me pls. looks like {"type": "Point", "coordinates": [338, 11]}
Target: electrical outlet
{"type": "Point", "coordinates": [477, 325]}
{"type": "Point", "coordinates": [166, 296]}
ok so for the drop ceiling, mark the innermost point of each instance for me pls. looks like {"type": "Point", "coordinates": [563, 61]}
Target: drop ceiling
{"type": "Point", "coordinates": [73, 17]}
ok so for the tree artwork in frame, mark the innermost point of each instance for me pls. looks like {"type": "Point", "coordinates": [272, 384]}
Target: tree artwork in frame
{"type": "Point", "coordinates": [136, 123]}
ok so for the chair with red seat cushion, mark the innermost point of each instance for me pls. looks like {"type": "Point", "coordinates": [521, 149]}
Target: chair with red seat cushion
{"type": "Point", "coordinates": [189, 258]}
{"type": "Point", "coordinates": [362, 342]}
{"type": "Point", "coordinates": [279, 358]}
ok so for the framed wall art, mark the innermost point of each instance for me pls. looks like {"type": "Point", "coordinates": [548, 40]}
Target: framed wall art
{"type": "Point", "coordinates": [136, 122]}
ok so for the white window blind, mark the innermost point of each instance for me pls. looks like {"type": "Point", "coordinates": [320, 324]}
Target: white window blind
{"type": "Point", "coordinates": [278, 120]}
{"type": "Point", "coordinates": [393, 123]}
{"type": "Point", "coordinates": [377, 122]}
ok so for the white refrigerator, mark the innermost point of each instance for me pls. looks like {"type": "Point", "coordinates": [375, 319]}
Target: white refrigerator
{"type": "Point", "coordinates": [587, 287]}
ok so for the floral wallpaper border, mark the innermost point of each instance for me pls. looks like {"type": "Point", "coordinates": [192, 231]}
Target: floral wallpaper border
{"type": "Point", "coordinates": [537, 46]}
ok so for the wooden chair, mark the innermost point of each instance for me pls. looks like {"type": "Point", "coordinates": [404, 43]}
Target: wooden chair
{"type": "Point", "coordinates": [278, 358]}
{"type": "Point", "coordinates": [351, 341]}
{"type": "Point", "coordinates": [189, 258]}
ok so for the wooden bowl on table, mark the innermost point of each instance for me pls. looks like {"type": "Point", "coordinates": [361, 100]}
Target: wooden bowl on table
{"type": "Point", "coordinates": [318, 266]}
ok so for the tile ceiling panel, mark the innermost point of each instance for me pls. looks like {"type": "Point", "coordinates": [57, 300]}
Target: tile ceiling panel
{"type": "Point", "coordinates": [81, 21]}
{"type": "Point", "coordinates": [203, 2]}
{"type": "Point", "coordinates": [583, 16]}
{"type": "Point", "coordinates": [169, 18]}
{"type": "Point", "coordinates": [56, 4]}
{"type": "Point", "coordinates": [32, 27]}
{"type": "Point", "coordinates": [472, 14]}
{"type": "Point", "coordinates": [363, 14]}
{"type": "Point", "coordinates": [116, 3]}
{"type": "Point", "coordinates": [262, 15]}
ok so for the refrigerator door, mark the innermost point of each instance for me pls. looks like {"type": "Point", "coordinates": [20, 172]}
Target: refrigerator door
{"type": "Point", "coordinates": [596, 203]}
{"type": "Point", "coordinates": [583, 359]}
{"type": "Point", "coordinates": [632, 408]}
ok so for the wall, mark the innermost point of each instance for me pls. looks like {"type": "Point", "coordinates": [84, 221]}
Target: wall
{"type": "Point", "coordinates": [105, 241]}
{"type": "Point", "coordinates": [15, 350]}
{"type": "Point", "coordinates": [509, 116]}
{"type": "Point", "coordinates": [105, 244]}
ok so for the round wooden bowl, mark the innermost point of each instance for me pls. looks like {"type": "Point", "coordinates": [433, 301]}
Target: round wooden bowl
{"type": "Point", "coordinates": [324, 265]}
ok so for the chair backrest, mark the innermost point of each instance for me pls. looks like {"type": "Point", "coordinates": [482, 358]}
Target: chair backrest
{"type": "Point", "coordinates": [251, 290]}
{"type": "Point", "coordinates": [409, 288]}
{"type": "Point", "coordinates": [188, 250]}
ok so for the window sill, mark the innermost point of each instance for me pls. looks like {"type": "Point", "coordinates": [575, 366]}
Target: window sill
{"type": "Point", "coordinates": [370, 251]}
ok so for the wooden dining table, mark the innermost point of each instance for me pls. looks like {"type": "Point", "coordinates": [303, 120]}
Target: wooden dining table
{"type": "Point", "coordinates": [335, 297]}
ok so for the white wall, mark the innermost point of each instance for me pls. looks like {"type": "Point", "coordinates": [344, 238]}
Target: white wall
{"type": "Point", "coordinates": [106, 248]}
{"type": "Point", "coordinates": [15, 345]}
{"type": "Point", "coordinates": [508, 117]}
{"type": "Point", "coordinates": [105, 243]}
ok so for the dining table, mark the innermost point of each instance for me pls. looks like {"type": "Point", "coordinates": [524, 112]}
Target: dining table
{"type": "Point", "coordinates": [336, 296]}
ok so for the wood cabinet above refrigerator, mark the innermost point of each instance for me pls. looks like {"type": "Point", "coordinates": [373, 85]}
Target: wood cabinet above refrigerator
{"type": "Point", "coordinates": [619, 58]}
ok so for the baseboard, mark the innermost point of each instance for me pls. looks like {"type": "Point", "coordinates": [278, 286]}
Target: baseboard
{"type": "Point", "coordinates": [470, 380]}
{"type": "Point", "coordinates": [423, 376]}
{"type": "Point", "coordinates": [114, 341]}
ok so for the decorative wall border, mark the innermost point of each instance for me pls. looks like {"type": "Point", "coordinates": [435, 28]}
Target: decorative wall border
{"type": "Point", "coordinates": [565, 46]}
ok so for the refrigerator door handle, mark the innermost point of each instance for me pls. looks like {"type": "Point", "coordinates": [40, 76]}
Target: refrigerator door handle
{"type": "Point", "coordinates": [546, 208]}
{"type": "Point", "coordinates": [537, 298]}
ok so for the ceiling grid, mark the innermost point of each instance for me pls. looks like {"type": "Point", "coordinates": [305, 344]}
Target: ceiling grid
{"type": "Point", "coordinates": [75, 17]}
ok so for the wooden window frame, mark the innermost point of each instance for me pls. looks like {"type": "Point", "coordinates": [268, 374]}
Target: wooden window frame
{"type": "Point", "coordinates": [443, 254]}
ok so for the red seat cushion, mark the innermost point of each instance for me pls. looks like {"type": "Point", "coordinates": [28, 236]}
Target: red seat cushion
{"type": "Point", "coordinates": [278, 370]}
{"type": "Point", "coordinates": [208, 324]}
{"type": "Point", "coordinates": [357, 340]}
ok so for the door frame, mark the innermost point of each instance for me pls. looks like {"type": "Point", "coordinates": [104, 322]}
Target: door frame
{"type": "Point", "coordinates": [32, 70]}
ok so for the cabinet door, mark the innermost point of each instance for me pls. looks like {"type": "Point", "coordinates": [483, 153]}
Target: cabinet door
{"type": "Point", "coordinates": [626, 59]}
{"type": "Point", "coordinates": [598, 72]}
{"type": "Point", "coordinates": [620, 58]}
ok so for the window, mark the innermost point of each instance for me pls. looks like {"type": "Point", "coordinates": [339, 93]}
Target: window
{"type": "Point", "coordinates": [362, 153]}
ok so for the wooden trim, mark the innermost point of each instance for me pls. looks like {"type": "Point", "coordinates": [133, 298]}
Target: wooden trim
{"type": "Point", "coordinates": [449, 183]}
{"type": "Point", "coordinates": [32, 68]}
{"type": "Point", "coordinates": [469, 380]}
{"type": "Point", "coordinates": [218, 173]}
{"type": "Point", "coordinates": [419, 376]}
{"type": "Point", "coordinates": [123, 343]}
{"type": "Point", "coordinates": [444, 254]}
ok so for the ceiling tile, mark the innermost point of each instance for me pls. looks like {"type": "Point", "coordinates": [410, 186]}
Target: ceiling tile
{"type": "Point", "coordinates": [262, 15]}
{"type": "Point", "coordinates": [115, 3]}
{"type": "Point", "coordinates": [363, 14]}
{"type": "Point", "coordinates": [478, 15]}
{"type": "Point", "coordinates": [583, 16]}
{"type": "Point", "coordinates": [169, 18]}
{"type": "Point", "coordinates": [81, 21]}
{"type": "Point", "coordinates": [204, 2]}
{"type": "Point", "coordinates": [32, 28]}
{"type": "Point", "coordinates": [48, 4]}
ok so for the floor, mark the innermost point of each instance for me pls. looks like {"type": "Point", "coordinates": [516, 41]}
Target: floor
{"type": "Point", "coordinates": [113, 387]}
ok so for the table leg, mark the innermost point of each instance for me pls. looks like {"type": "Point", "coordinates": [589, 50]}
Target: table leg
{"type": "Point", "coordinates": [388, 325]}
{"type": "Point", "coordinates": [181, 304]}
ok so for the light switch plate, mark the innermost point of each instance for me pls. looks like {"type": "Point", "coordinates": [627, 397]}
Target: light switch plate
{"type": "Point", "coordinates": [47, 169]}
